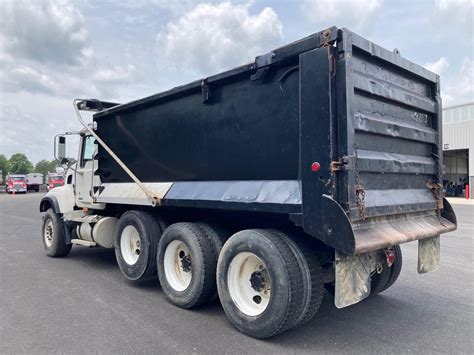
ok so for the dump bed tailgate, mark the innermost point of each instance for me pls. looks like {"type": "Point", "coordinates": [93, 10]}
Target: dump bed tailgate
{"type": "Point", "coordinates": [389, 130]}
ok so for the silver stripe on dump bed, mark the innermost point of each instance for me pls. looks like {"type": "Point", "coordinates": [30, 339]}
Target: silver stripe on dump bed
{"type": "Point", "coordinates": [131, 193]}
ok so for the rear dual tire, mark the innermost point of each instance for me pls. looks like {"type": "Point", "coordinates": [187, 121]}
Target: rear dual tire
{"type": "Point", "coordinates": [313, 286]}
{"type": "Point", "coordinates": [388, 276]}
{"type": "Point", "coordinates": [136, 239]}
{"type": "Point", "coordinates": [260, 282]}
{"type": "Point", "coordinates": [383, 280]}
{"type": "Point", "coordinates": [187, 260]}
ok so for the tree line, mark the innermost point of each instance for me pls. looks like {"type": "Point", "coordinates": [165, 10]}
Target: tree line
{"type": "Point", "coordinates": [20, 164]}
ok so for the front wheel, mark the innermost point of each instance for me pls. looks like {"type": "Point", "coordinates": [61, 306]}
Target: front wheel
{"type": "Point", "coordinates": [54, 235]}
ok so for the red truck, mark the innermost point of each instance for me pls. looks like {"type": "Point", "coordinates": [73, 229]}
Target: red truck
{"type": "Point", "coordinates": [54, 180]}
{"type": "Point", "coordinates": [16, 184]}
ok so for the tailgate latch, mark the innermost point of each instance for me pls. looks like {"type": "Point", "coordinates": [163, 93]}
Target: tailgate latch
{"type": "Point", "coordinates": [339, 165]}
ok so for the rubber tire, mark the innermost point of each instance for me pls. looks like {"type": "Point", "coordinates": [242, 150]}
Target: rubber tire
{"type": "Point", "coordinates": [204, 263]}
{"type": "Point", "coordinates": [59, 246]}
{"type": "Point", "coordinates": [217, 235]}
{"type": "Point", "coordinates": [313, 287]}
{"type": "Point", "coordinates": [149, 233]}
{"type": "Point", "coordinates": [286, 300]}
{"type": "Point", "coordinates": [381, 282]}
{"type": "Point", "coordinates": [161, 223]}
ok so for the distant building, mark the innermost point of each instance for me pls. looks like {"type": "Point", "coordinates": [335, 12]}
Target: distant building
{"type": "Point", "coordinates": [458, 149]}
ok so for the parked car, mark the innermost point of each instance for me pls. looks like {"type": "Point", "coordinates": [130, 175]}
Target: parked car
{"type": "Point", "coordinates": [15, 184]}
{"type": "Point", "coordinates": [34, 181]}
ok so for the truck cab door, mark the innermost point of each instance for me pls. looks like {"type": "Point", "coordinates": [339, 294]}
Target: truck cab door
{"type": "Point", "coordinates": [85, 178]}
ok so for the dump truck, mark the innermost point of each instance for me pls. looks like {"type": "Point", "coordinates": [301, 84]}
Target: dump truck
{"type": "Point", "coordinates": [15, 183]}
{"type": "Point", "coordinates": [264, 185]}
{"type": "Point", "coordinates": [34, 181]}
{"type": "Point", "coordinates": [54, 180]}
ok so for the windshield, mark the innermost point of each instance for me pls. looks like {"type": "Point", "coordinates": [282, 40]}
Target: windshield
{"type": "Point", "coordinates": [56, 177]}
{"type": "Point", "coordinates": [18, 178]}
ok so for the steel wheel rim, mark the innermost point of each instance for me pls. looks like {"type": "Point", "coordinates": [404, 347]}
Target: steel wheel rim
{"type": "Point", "coordinates": [130, 245]}
{"type": "Point", "coordinates": [48, 233]}
{"type": "Point", "coordinates": [177, 264]}
{"type": "Point", "coordinates": [249, 299]}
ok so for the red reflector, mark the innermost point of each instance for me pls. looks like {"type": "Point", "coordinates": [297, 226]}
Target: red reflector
{"type": "Point", "coordinates": [390, 257]}
{"type": "Point", "coordinates": [315, 166]}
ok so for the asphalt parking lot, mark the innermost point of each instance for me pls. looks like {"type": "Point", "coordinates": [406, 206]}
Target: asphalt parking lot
{"type": "Point", "coordinates": [83, 304]}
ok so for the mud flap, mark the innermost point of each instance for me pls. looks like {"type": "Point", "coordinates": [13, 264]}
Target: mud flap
{"type": "Point", "coordinates": [428, 254]}
{"type": "Point", "coordinates": [352, 278]}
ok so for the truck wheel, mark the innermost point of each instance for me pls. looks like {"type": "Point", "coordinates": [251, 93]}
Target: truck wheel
{"type": "Point", "coordinates": [54, 235]}
{"type": "Point", "coordinates": [186, 265]}
{"type": "Point", "coordinates": [313, 286]}
{"type": "Point", "coordinates": [136, 240]}
{"type": "Point", "coordinates": [218, 237]}
{"type": "Point", "coordinates": [260, 283]}
{"type": "Point", "coordinates": [388, 276]}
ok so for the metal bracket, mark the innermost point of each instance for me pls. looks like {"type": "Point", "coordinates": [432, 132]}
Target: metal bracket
{"type": "Point", "coordinates": [154, 200]}
{"type": "Point", "coordinates": [205, 91]}
{"type": "Point", "coordinates": [263, 60]}
{"type": "Point", "coordinates": [339, 165]}
{"type": "Point", "coordinates": [259, 74]}
{"type": "Point", "coordinates": [261, 63]}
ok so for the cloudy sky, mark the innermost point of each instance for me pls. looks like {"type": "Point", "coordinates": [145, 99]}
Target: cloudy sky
{"type": "Point", "coordinates": [52, 51]}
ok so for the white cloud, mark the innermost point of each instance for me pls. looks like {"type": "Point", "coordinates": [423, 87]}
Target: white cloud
{"type": "Point", "coordinates": [43, 31]}
{"type": "Point", "coordinates": [454, 13]}
{"type": "Point", "coordinates": [214, 37]}
{"type": "Point", "coordinates": [447, 5]}
{"type": "Point", "coordinates": [438, 67]}
{"type": "Point", "coordinates": [457, 87]}
{"type": "Point", "coordinates": [115, 74]}
{"type": "Point", "coordinates": [357, 15]}
{"type": "Point", "coordinates": [35, 124]}
{"type": "Point", "coordinates": [175, 7]}
{"type": "Point", "coordinates": [22, 77]}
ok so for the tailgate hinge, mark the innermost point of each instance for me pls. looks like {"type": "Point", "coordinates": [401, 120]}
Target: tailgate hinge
{"type": "Point", "coordinates": [339, 165]}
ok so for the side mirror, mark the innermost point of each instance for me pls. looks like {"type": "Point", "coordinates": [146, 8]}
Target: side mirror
{"type": "Point", "coordinates": [60, 147]}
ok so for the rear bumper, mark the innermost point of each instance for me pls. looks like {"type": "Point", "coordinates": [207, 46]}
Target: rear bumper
{"type": "Point", "coordinates": [353, 272]}
{"type": "Point", "coordinates": [375, 235]}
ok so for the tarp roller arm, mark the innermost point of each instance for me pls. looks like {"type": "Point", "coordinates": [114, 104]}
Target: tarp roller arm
{"type": "Point", "coordinates": [96, 105]}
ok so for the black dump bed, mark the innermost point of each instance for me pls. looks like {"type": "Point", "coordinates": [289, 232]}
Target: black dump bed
{"type": "Point", "coordinates": [253, 138]}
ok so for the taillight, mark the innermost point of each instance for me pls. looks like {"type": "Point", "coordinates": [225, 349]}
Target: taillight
{"type": "Point", "coordinates": [51, 185]}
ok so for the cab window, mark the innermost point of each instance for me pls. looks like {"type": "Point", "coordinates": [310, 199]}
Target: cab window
{"type": "Point", "coordinates": [87, 150]}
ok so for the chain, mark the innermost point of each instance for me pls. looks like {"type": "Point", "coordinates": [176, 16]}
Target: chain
{"type": "Point", "coordinates": [359, 189]}
{"type": "Point", "coordinates": [436, 187]}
